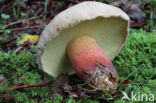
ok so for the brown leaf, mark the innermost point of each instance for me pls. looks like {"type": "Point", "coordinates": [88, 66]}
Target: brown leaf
{"type": "Point", "coordinates": [135, 13]}
{"type": "Point", "coordinates": [131, 7]}
{"type": "Point", "coordinates": [61, 86]}
{"type": "Point", "coordinates": [7, 97]}
{"type": "Point", "coordinates": [136, 24]}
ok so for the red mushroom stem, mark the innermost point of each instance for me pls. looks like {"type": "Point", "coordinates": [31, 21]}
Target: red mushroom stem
{"type": "Point", "coordinates": [92, 64]}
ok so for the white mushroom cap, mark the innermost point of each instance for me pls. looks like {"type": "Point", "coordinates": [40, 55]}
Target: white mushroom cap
{"type": "Point", "coordinates": [107, 24]}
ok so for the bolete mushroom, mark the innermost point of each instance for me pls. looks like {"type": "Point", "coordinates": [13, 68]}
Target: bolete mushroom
{"type": "Point", "coordinates": [84, 39]}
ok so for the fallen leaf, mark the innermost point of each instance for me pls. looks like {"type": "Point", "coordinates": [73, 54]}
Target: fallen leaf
{"type": "Point", "coordinates": [131, 8]}
{"type": "Point", "coordinates": [28, 37]}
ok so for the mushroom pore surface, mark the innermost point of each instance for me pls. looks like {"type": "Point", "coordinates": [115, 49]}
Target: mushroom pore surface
{"type": "Point", "coordinates": [108, 33]}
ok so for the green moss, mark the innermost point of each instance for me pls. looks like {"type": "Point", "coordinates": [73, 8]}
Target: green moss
{"type": "Point", "coordinates": [19, 70]}
{"type": "Point", "coordinates": [139, 54]}
{"type": "Point", "coordinates": [135, 63]}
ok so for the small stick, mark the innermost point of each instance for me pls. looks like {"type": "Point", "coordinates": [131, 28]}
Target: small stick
{"type": "Point", "coordinates": [29, 27]}
{"type": "Point", "coordinates": [17, 22]}
{"type": "Point", "coordinates": [19, 48]}
{"type": "Point", "coordinates": [89, 91]}
{"type": "Point", "coordinates": [80, 84]}
{"type": "Point", "coordinates": [30, 85]}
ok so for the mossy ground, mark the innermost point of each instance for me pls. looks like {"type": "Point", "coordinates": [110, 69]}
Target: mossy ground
{"type": "Point", "coordinates": [136, 63]}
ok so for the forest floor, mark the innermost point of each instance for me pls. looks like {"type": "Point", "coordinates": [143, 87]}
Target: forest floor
{"type": "Point", "coordinates": [135, 64]}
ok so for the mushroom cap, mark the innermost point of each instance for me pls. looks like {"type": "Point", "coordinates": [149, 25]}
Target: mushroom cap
{"type": "Point", "coordinates": [107, 24]}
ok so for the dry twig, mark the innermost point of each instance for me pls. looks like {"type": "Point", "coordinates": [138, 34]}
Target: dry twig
{"type": "Point", "coordinates": [29, 27]}
{"type": "Point", "coordinates": [30, 85]}
{"type": "Point", "coordinates": [20, 21]}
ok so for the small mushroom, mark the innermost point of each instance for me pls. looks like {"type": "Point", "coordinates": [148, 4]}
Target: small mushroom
{"type": "Point", "coordinates": [84, 39]}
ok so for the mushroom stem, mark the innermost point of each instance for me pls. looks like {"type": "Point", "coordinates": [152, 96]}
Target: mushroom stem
{"type": "Point", "coordinates": [92, 64]}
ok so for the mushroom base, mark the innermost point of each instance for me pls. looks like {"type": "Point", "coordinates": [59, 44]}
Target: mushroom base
{"type": "Point", "coordinates": [103, 78]}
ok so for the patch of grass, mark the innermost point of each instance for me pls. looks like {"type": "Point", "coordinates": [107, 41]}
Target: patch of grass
{"type": "Point", "coordinates": [135, 63]}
